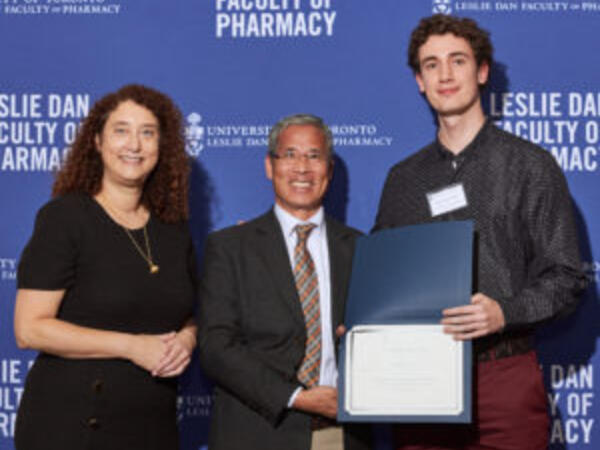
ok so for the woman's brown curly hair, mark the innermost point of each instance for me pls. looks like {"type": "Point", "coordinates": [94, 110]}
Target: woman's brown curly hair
{"type": "Point", "coordinates": [166, 189]}
{"type": "Point", "coordinates": [463, 27]}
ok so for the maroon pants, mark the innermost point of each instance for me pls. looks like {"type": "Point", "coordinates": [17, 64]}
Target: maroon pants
{"type": "Point", "coordinates": [511, 412]}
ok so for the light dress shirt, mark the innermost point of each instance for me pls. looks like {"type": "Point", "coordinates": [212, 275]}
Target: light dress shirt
{"type": "Point", "coordinates": [319, 251]}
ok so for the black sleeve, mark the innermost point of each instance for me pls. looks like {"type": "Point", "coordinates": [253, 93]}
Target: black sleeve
{"type": "Point", "coordinates": [555, 276]}
{"type": "Point", "coordinates": [386, 202]}
{"type": "Point", "coordinates": [49, 258]}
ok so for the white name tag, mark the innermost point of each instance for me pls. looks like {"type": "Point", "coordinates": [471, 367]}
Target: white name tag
{"type": "Point", "coordinates": [447, 200]}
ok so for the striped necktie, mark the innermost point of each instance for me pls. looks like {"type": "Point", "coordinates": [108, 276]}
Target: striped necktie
{"type": "Point", "coordinates": [307, 285]}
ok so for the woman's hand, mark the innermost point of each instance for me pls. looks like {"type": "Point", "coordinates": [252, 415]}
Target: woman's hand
{"type": "Point", "coordinates": [179, 353]}
{"type": "Point", "coordinates": [149, 350]}
{"type": "Point", "coordinates": [37, 327]}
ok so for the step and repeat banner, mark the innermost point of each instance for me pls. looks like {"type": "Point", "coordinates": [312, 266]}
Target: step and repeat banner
{"type": "Point", "coordinates": [234, 67]}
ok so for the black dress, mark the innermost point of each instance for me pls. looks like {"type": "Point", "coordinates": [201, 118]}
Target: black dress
{"type": "Point", "coordinates": [101, 404]}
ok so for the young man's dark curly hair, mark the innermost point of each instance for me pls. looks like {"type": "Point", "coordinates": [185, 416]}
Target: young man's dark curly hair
{"type": "Point", "coordinates": [440, 24]}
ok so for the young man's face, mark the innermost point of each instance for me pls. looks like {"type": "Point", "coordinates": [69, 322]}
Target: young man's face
{"type": "Point", "coordinates": [449, 76]}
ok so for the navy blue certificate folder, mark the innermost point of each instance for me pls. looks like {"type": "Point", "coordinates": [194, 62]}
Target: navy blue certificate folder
{"type": "Point", "coordinates": [404, 277]}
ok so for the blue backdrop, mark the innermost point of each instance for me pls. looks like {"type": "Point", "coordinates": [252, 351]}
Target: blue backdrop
{"type": "Point", "coordinates": [236, 66]}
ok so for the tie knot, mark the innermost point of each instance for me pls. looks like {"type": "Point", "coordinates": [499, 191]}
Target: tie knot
{"type": "Point", "coordinates": [304, 230]}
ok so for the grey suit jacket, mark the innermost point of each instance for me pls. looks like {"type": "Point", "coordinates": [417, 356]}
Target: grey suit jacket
{"type": "Point", "coordinates": [252, 334]}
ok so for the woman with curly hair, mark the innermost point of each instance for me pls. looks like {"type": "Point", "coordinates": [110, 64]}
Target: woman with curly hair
{"type": "Point", "coordinates": [106, 285]}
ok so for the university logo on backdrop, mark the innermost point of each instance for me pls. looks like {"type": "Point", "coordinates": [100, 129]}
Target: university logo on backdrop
{"type": "Point", "coordinates": [201, 136]}
{"type": "Point", "coordinates": [567, 124]}
{"type": "Point", "coordinates": [442, 7]}
{"type": "Point", "coordinates": [193, 406]}
{"type": "Point", "coordinates": [194, 134]}
{"type": "Point", "coordinates": [13, 372]}
{"type": "Point", "coordinates": [462, 7]}
{"type": "Point", "coordinates": [8, 269]}
{"type": "Point", "coordinates": [36, 129]}
{"type": "Point", "coordinates": [592, 272]}
{"type": "Point", "coordinates": [61, 7]}
{"type": "Point", "coordinates": [264, 19]}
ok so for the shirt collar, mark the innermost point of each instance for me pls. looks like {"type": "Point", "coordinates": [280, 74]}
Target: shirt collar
{"type": "Point", "coordinates": [288, 222]}
{"type": "Point", "coordinates": [470, 150]}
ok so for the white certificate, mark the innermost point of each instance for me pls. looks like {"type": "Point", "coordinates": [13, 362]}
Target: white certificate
{"type": "Point", "coordinates": [414, 370]}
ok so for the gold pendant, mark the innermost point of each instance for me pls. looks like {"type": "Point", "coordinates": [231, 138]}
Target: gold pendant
{"type": "Point", "coordinates": [153, 268]}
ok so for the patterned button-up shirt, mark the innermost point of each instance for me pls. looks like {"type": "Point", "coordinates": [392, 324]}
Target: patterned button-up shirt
{"type": "Point", "coordinates": [526, 256]}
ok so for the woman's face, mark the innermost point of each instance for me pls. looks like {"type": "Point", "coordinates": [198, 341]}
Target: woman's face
{"type": "Point", "coordinates": [128, 144]}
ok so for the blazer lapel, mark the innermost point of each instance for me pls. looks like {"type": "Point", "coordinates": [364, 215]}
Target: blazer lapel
{"type": "Point", "coordinates": [271, 246]}
{"type": "Point", "coordinates": [340, 257]}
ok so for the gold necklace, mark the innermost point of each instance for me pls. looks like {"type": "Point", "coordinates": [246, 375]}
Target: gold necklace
{"type": "Point", "coordinates": [147, 256]}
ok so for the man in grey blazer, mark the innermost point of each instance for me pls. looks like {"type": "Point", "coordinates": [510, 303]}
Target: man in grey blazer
{"type": "Point", "coordinates": [271, 298]}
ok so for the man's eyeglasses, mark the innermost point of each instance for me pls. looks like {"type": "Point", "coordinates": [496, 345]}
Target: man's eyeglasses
{"type": "Point", "coordinates": [291, 156]}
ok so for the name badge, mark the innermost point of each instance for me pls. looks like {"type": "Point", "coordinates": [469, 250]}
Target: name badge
{"type": "Point", "coordinates": [447, 199]}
